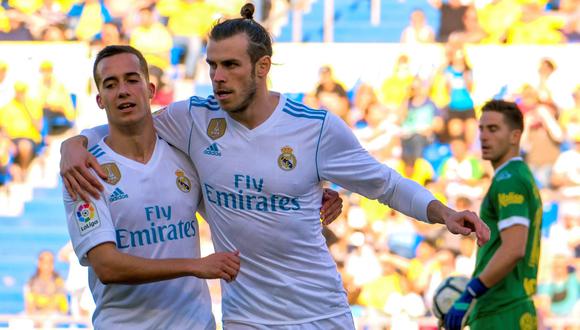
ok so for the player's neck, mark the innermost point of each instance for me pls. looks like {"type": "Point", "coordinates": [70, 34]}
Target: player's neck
{"type": "Point", "coordinates": [259, 110]}
{"type": "Point", "coordinates": [135, 144]}
{"type": "Point", "coordinates": [505, 158]}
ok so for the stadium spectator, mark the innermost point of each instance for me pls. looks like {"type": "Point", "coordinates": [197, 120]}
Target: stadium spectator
{"type": "Point", "coordinates": [22, 120]}
{"type": "Point", "coordinates": [417, 31]}
{"type": "Point", "coordinates": [565, 176]}
{"type": "Point", "coordinates": [164, 94]}
{"type": "Point", "coordinates": [18, 30]}
{"type": "Point", "coordinates": [450, 17]}
{"type": "Point", "coordinates": [44, 293]}
{"type": "Point", "coordinates": [562, 290]}
{"type": "Point", "coordinates": [331, 94]}
{"type": "Point", "coordinates": [473, 32]}
{"type": "Point", "coordinates": [541, 141]}
{"type": "Point", "coordinates": [415, 168]}
{"type": "Point", "coordinates": [395, 88]}
{"type": "Point", "coordinates": [57, 105]}
{"type": "Point", "coordinates": [378, 131]}
{"type": "Point", "coordinates": [86, 18]}
{"type": "Point", "coordinates": [53, 33]}
{"type": "Point", "coordinates": [496, 17]}
{"type": "Point", "coordinates": [364, 97]}
{"type": "Point", "coordinates": [152, 38]}
{"type": "Point", "coordinates": [536, 27]}
{"type": "Point", "coordinates": [81, 303]}
{"type": "Point", "coordinates": [109, 35]}
{"type": "Point", "coordinates": [420, 120]}
{"type": "Point", "coordinates": [189, 35]}
{"type": "Point", "coordinates": [460, 111]}
{"type": "Point", "coordinates": [569, 117]}
{"type": "Point", "coordinates": [50, 14]}
{"type": "Point", "coordinates": [461, 172]}
{"type": "Point", "coordinates": [375, 294]}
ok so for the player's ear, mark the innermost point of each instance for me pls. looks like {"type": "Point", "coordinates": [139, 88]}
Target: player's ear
{"type": "Point", "coordinates": [151, 87]}
{"type": "Point", "coordinates": [515, 136]}
{"type": "Point", "coordinates": [263, 66]}
{"type": "Point", "coordinates": [100, 101]}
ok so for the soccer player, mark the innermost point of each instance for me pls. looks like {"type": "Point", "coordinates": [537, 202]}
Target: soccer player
{"type": "Point", "coordinates": [261, 159]}
{"type": "Point", "coordinates": [134, 234]}
{"type": "Point", "coordinates": [506, 268]}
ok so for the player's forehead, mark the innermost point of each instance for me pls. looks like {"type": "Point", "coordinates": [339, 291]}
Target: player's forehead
{"type": "Point", "coordinates": [227, 49]}
{"type": "Point", "coordinates": [118, 65]}
{"type": "Point", "coordinates": [491, 118]}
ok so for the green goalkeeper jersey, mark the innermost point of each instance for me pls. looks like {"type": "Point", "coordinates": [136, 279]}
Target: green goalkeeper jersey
{"type": "Point", "coordinates": [513, 198]}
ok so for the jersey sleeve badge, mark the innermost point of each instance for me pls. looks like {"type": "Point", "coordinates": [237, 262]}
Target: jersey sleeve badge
{"type": "Point", "coordinates": [87, 217]}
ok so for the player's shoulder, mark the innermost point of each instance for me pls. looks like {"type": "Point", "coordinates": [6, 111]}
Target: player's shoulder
{"type": "Point", "coordinates": [199, 103]}
{"type": "Point", "coordinates": [100, 152]}
{"type": "Point", "coordinates": [514, 176]}
{"type": "Point", "coordinates": [296, 110]}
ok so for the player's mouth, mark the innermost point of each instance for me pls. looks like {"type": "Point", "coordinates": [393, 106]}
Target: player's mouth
{"type": "Point", "coordinates": [222, 94]}
{"type": "Point", "coordinates": [126, 106]}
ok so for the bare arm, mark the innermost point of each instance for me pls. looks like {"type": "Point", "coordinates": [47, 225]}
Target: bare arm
{"type": "Point", "coordinates": [511, 250]}
{"type": "Point", "coordinates": [112, 266]}
{"type": "Point", "coordinates": [75, 162]}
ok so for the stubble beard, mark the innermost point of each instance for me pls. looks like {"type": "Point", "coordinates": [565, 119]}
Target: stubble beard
{"type": "Point", "coordinates": [250, 95]}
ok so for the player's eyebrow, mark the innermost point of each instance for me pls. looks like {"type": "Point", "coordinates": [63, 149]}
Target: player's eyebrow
{"type": "Point", "coordinates": [114, 78]}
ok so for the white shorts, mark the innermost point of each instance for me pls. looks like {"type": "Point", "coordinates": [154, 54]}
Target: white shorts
{"type": "Point", "coordinates": [339, 322]}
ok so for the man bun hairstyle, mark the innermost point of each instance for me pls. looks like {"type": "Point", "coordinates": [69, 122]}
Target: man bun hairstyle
{"type": "Point", "coordinates": [247, 11]}
{"type": "Point", "coordinates": [510, 110]}
{"type": "Point", "coordinates": [259, 40]}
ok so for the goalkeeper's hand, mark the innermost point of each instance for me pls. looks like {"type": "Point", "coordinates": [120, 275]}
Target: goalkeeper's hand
{"type": "Point", "coordinates": [455, 317]}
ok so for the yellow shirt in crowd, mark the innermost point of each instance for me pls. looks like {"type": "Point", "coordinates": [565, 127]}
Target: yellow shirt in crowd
{"type": "Point", "coordinates": [22, 120]}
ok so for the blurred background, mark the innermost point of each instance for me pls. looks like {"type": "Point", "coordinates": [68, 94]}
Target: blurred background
{"type": "Point", "coordinates": [408, 76]}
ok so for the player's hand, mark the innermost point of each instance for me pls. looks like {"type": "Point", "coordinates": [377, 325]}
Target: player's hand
{"type": "Point", "coordinates": [331, 206]}
{"type": "Point", "coordinates": [222, 265]}
{"type": "Point", "coordinates": [467, 222]}
{"type": "Point", "coordinates": [456, 317]}
{"type": "Point", "coordinates": [75, 162]}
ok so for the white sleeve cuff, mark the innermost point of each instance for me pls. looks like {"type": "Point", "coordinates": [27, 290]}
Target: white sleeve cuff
{"type": "Point", "coordinates": [511, 221]}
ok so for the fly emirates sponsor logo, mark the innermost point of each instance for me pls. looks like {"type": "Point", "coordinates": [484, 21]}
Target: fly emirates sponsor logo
{"type": "Point", "coordinates": [249, 196]}
{"type": "Point", "coordinates": [160, 227]}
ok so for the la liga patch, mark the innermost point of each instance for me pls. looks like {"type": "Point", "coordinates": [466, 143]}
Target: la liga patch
{"type": "Point", "coordinates": [87, 217]}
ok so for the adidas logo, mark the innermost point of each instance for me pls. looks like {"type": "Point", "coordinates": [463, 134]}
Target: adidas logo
{"type": "Point", "coordinates": [117, 195]}
{"type": "Point", "coordinates": [212, 150]}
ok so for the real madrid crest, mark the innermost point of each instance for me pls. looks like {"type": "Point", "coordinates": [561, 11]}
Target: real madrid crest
{"type": "Point", "coordinates": [216, 128]}
{"type": "Point", "coordinates": [182, 182]}
{"type": "Point", "coordinates": [113, 173]}
{"type": "Point", "coordinates": [287, 160]}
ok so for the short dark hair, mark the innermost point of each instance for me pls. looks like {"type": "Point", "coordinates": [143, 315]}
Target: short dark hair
{"type": "Point", "coordinates": [510, 111]}
{"type": "Point", "coordinates": [113, 50]}
{"type": "Point", "coordinates": [260, 41]}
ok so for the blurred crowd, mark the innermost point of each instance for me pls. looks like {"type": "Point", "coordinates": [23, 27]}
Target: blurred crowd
{"type": "Point", "coordinates": [424, 126]}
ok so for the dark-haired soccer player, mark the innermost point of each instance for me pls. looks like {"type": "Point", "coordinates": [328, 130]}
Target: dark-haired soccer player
{"type": "Point", "coordinates": [504, 280]}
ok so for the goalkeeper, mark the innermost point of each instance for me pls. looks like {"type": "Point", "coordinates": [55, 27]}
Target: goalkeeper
{"type": "Point", "coordinates": [499, 295]}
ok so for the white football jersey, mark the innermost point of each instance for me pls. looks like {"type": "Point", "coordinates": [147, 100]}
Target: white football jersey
{"type": "Point", "coordinates": [147, 210]}
{"type": "Point", "coordinates": [262, 192]}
